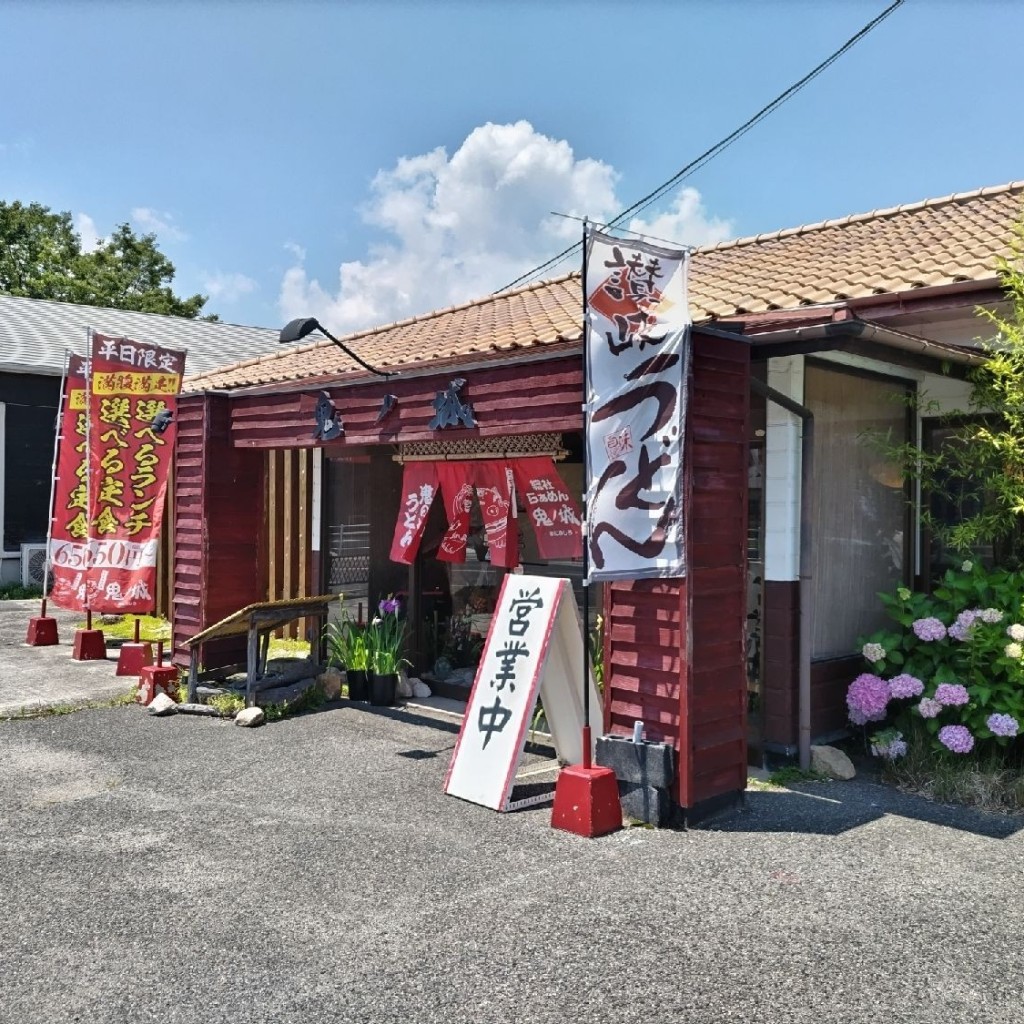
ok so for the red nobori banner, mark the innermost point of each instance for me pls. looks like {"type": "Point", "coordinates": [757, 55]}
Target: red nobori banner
{"type": "Point", "coordinates": [133, 391]}
{"type": "Point", "coordinates": [69, 530]}
{"type": "Point", "coordinates": [550, 508]}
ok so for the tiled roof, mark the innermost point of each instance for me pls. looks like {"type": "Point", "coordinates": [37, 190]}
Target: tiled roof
{"type": "Point", "coordinates": [35, 332]}
{"type": "Point", "coordinates": [944, 241]}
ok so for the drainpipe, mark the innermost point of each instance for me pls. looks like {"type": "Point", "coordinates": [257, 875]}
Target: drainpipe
{"type": "Point", "coordinates": [806, 555]}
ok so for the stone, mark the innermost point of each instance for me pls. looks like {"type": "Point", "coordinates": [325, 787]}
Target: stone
{"type": "Point", "coordinates": [250, 717]}
{"type": "Point", "coordinates": [161, 704]}
{"type": "Point", "coordinates": [330, 683]}
{"type": "Point", "coordinates": [285, 695]}
{"type": "Point", "coordinates": [832, 762]}
{"type": "Point", "coordinates": [420, 688]}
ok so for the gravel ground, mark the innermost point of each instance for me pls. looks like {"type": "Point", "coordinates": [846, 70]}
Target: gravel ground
{"type": "Point", "coordinates": [181, 869]}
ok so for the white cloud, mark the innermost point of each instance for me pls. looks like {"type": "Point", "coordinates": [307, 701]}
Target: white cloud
{"type": "Point", "coordinates": [227, 287]}
{"type": "Point", "coordinates": [87, 232]}
{"type": "Point", "coordinates": [160, 224]}
{"type": "Point", "coordinates": [685, 222]}
{"type": "Point", "coordinates": [458, 228]}
{"type": "Point", "coordinates": [296, 250]}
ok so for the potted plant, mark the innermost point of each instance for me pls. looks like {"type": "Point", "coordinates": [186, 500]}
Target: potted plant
{"type": "Point", "coordinates": [385, 639]}
{"type": "Point", "coordinates": [347, 648]}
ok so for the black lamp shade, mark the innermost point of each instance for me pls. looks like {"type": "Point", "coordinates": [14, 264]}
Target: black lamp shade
{"type": "Point", "coordinates": [295, 330]}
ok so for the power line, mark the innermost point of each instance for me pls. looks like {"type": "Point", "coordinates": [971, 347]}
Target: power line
{"type": "Point", "coordinates": [718, 147]}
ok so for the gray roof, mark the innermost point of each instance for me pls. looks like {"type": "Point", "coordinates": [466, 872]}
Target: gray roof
{"type": "Point", "coordinates": [35, 332]}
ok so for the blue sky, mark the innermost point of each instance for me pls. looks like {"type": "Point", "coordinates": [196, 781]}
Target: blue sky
{"type": "Point", "coordinates": [364, 162]}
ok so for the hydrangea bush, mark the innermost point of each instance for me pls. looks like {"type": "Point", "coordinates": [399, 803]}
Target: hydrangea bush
{"type": "Point", "coordinates": [952, 669]}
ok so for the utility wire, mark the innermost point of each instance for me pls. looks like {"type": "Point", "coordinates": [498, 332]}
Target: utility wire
{"type": "Point", "coordinates": [718, 147]}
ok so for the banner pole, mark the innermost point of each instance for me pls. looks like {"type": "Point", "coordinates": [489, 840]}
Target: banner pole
{"type": "Point", "coordinates": [585, 526]}
{"type": "Point", "coordinates": [57, 437]}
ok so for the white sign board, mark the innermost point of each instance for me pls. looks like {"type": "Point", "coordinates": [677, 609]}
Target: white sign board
{"type": "Point", "coordinates": [534, 648]}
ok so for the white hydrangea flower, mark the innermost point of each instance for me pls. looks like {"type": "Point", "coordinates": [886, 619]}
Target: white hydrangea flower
{"type": "Point", "coordinates": [967, 567]}
{"type": "Point", "coordinates": [1015, 632]}
{"type": "Point", "coordinates": [873, 652]}
{"type": "Point", "coordinates": [1013, 650]}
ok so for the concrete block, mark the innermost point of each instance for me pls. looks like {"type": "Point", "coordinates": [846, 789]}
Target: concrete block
{"type": "Point", "coordinates": [650, 804]}
{"type": "Point", "coordinates": [649, 764]}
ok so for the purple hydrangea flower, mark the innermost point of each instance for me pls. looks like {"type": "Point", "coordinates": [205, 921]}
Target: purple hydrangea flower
{"type": "Point", "coordinates": [867, 698]}
{"type": "Point", "coordinates": [1003, 725]}
{"type": "Point", "coordinates": [928, 708]}
{"type": "Point", "coordinates": [905, 685]}
{"type": "Point", "coordinates": [889, 744]}
{"type": "Point", "coordinates": [951, 694]}
{"type": "Point", "coordinates": [961, 629]}
{"type": "Point", "coordinates": [957, 738]}
{"type": "Point", "coordinates": [929, 629]}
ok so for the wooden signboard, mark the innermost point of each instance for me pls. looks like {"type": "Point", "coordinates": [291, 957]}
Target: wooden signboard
{"type": "Point", "coordinates": [534, 649]}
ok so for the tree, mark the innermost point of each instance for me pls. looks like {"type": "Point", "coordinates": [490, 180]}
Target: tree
{"type": "Point", "coordinates": [41, 257]}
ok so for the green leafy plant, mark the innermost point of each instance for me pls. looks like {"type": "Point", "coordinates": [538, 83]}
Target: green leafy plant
{"type": "Point", "coordinates": [16, 592]}
{"type": "Point", "coordinates": [347, 646]}
{"type": "Point", "coordinates": [951, 674]}
{"type": "Point", "coordinates": [385, 637]}
{"type": "Point", "coordinates": [227, 704]}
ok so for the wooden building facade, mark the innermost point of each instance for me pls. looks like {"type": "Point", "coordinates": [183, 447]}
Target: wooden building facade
{"type": "Point", "coordinates": [249, 524]}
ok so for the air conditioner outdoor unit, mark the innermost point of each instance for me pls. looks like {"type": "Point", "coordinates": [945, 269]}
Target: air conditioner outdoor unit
{"type": "Point", "coordinates": [33, 564]}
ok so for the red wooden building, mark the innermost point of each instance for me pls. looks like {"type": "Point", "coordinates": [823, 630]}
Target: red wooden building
{"type": "Point", "coordinates": [793, 524]}
{"type": "Point", "coordinates": [674, 649]}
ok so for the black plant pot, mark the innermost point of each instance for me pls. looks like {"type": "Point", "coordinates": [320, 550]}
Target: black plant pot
{"type": "Point", "coordinates": [383, 688]}
{"type": "Point", "coordinates": [358, 684]}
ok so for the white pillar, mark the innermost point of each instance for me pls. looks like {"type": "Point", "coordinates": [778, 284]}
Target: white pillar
{"type": "Point", "coordinates": [782, 472]}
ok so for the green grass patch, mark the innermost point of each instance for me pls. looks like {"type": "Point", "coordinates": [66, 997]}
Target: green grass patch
{"type": "Point", "coordinates": [989, 784]}
{"type": "Point", "coordinates": [16, 592]}
{"type": "Point", "coordinates": [789, 775]}
{"type": "Point", "coordinates": [55, 710]}
{"type": "Point", "coordinates": [152, 628]}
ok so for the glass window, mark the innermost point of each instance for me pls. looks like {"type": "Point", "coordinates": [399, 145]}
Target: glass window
{"type": "Point", "coordinates": [860, 504]}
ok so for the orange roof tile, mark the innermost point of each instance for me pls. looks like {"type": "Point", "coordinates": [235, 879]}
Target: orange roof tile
{"type": "Point", "coordinates": [932, 243]}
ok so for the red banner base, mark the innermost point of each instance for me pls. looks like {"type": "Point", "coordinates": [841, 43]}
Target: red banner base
{"type": "Point", "coordinates": [587, 801]}
{"type": "Point", "coordinates": [156, 679]}
{"type": "Point", "coordinates": [89, 645]}
{"type": "Point", "coordinates": [42, 631]}
{"type": "Point", "coordinates": [133, 658]}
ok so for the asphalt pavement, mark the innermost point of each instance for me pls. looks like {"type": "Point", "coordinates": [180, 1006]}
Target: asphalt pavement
{"type": "Point", "coordinates": [35, 678]}
{"type": "Point", "coordinates": [186, 870]}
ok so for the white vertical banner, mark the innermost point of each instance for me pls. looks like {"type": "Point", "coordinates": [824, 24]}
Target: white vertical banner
{"type": "Point", "coordinates": [638, 357]}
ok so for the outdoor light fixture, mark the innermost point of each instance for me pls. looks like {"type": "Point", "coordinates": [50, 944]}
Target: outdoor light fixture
{"type": "Point", "coordinates": [296, 330]}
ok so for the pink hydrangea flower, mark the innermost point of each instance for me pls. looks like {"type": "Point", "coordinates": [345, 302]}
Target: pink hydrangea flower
{"type": "Point", "coordinates": [928, 708]}
{"type": "Point", "coordinates": [929, 629]}
{"type": "Point", "coordinates": [957, 738]}
{"type": "Point", "coordinates": [867, 698]}
{"type": "Point", "coordinates": [951, 694]}
{"type": "Point", "coordinates": [1003, 725]}
{"type": "Point", "coordinates": [905, 685]}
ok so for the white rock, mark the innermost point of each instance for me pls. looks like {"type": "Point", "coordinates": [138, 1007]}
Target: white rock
{"type": "Point", "coordinates": [831, 761]}
{"type": "Point", "coordinates": [404, 688]}
{"type": "Point", "coordinates": [420, 688]}
{"type": "Point", "coordinates": [250, 717]}
{"type": "Point", "coordinates": [161, 704]}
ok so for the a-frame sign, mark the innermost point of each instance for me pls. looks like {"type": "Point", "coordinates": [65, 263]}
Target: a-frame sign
{"type": "Point", "coordinates": [534, 649]}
